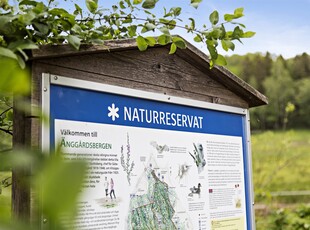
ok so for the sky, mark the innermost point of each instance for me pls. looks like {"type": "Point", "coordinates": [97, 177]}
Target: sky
{"type": "Point", "coordinates": [282, 26]}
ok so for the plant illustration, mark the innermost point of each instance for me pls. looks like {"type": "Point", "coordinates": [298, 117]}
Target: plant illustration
{"type": "Point", "coordinates": [126, 164]}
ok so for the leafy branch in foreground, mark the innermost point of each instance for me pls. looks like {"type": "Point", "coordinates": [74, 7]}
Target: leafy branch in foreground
{"type": "Point", "coordinates": [33, 23]}
{"type": "Point", "coordinates": [6, 116]}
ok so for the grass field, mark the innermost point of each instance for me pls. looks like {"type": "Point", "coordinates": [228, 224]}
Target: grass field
{"type": "Point", "coordinates": [281, 163]}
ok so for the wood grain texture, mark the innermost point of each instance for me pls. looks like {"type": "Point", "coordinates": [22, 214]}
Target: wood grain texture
{"type": "Point", "coordinates": [191, 55]}
{"type": "Point", "coordinates": [20, 174]}
{"type": "Point", "coordinates": [154, 70]}
{"type": "Point", "coordinates": [197, 58]}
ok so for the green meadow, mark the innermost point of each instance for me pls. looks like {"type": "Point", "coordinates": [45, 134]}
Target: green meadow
{"type": "Point", "coordinates": [281, 164]}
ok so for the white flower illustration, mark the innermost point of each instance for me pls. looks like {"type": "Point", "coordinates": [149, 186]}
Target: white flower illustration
{"type": "Point", "coordinates": [113, 112]}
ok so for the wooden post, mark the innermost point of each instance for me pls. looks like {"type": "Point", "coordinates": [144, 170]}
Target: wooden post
{"type": "Point", "coordinates": [20, 175]}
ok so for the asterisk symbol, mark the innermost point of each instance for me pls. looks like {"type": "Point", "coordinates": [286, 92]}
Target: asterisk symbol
{"type": "Point", "coordinates": [113, 112]}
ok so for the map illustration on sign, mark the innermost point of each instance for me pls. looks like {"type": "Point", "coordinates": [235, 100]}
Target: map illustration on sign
{"type": "Point", "coordinates": [154, 204]}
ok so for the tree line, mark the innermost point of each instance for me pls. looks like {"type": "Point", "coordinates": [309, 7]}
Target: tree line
{"type": "Point", "coordinates": [286, 83]}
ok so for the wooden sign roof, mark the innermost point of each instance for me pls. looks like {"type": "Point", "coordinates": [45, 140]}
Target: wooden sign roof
{"type": "Point", "coordinates": [191, 55]}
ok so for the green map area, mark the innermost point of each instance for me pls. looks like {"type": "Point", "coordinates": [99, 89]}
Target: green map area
{"type": "Point", "coordinates": [155, 209]}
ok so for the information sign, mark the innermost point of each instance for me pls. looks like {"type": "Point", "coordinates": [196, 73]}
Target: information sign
{"type": "Point", "coordinates": [154, 161]}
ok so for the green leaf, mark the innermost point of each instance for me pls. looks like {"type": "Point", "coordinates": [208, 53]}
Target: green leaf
{"type": "Point", "coordinates": [13, 78]}
{"type": "Point", "coordinates": [9, 115]}
{"type": "Point", "coordinates": [28, 3]}
{"type": "Point", "coordinates": [248, 34]}
{"type": "Point", "coordinates": [238, 12]}
{"type": "Point", "coordinates": [211, 64]}
{"type": "Point", "coordinates": [221, 61]}
{"type": "Point", "coordinates": [23, 54]}
{"type": "Point", "coordinates": [141, 43]}
{"type": "Point", "coordinates": [206, 33]}
{"type": "Point", "coordinates": [229, 17]}
{"type": "Point", "coordinates": [41, 27]}
{"type": "Point", "coordinates": [214, 17]}
{"type": "Point", "coordinates": [74, 41]}
{"type": "Point", "coordinates": [171, 24]}
{"type": "Point", "coordinates": [78, 9]}
{"type": "Point", "coordinates": [238, 33]}
{"type": "Point", "coordinates": [164, 39]}
{"type": "Point", "coordinates": [39, 8]}
{"type": "Point", "coordinates": [121, 5]}
{"type": "Point", "coordinates": [132, 30]}
{"type": "Point", "coordinates": [216, 33]}
{"type": "Point", "coordinates": [192, 26]}
{"type": "Point", "coordinates": [7, 53]}
{"type": "Point", "coordinates": [92, 5]}
{"type": "Point", "coordinates": [176, 11]}
{"type": "Point", "coordinates": [173, 48]}
{"type": "Point", "coordinates": [149, 26]}
{"type": "Point", "coordinates": [212, 50]}
{"type": "Point", "coordinates": [197, 38]}
{"type": "Point", "coordinates": [59, 12]}
{"type": "Point", "coordinates": [164, 30]}
{"type": "Point", "coordinates": [27, 18]}
{"type": "Point", "coordinates": [114, 7]}
{"type": "Point", "coordinates": [21, 61]}
{"type": "Point", "coordinates": [195, 3]}
{"type": "Point", "coordinates": [237, 23]}
{"type": "Point", "coordinates": [150, 41]}
{"type": "Point", "coordinates": [64, 179]}
{"type": "Point", "coordinates": [227, 44]}
{"type": "Point", "coordinates": [149, 4]}
{"type": "Point", "coordinates": [136, 2]}
{"type": "Point", "coordinates": [179, 42]}
{"type": "Point", "coordinates": [76, 29]}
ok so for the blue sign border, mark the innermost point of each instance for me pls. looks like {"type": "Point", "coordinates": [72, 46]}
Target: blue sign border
{"type": "Point", "coordinates": [80, 104]}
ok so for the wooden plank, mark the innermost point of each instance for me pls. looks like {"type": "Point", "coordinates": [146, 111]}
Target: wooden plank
{"type": "Point", "coordinates": [208, 94]}
{"type": "Point", "coordinates": [153, 67]}
{"type": "Point", "coordinates": [138, 66]}
{"type": "Point", "coordinates": [191, 54]}
{"type": "Point", "coordinates": [52, 51]}
{"type": "Point", "coordinates": [20, 175]}
{"type": "Point", "coordinates": [200, 60]}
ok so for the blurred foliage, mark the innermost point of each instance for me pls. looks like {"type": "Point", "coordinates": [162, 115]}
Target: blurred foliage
{"type": "Point", "coordinates": [5, 196]}
{"type": "Point", "coordinates": [286, 83]}
{"type": "Point", "coordinates": [296, 218]}
{"type": "Point", "coordinates": [55, 182]}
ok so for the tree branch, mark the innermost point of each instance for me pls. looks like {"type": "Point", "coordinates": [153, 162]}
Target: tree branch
{"type": "Point", "coordinates": [6, 131]}
{"type": "Point", "coordinates": [6, 110]}
{"type": "Point", "coordinates": [146, 20]}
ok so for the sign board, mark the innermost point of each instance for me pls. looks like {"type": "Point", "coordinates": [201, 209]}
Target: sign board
{"type": "Point", "coordinates": [154, 161]}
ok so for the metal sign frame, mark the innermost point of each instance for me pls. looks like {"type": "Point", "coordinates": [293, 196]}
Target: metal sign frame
{"type": "Point", "coordinates": [49, 80]}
